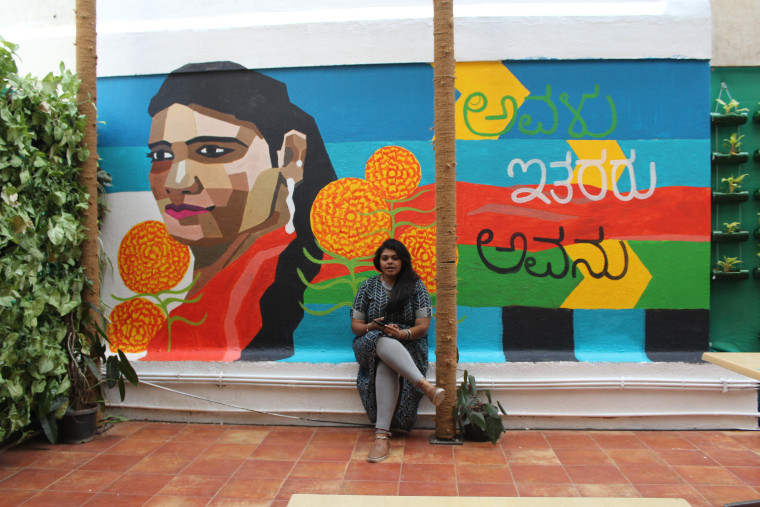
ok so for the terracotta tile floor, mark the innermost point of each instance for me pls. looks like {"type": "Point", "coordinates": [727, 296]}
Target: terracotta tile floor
{"type": "Point", "coordinates": [145, 463]}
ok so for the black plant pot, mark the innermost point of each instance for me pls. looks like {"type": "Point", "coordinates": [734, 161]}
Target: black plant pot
{"type": "Point", "coordinates": [78, 426]}
{"type": "Point", "coordinates": [475, 434]}
{"type": "Point", "coordinates": [728, 119]}
{"type": "Point", "coordinates": [723, 237]}
{"type": "Point", "coordinates": [740, 275]}
{"type": "Point", "coordinates": [739, 196]}
{"type": "Point", "coordinates": [726, 158]}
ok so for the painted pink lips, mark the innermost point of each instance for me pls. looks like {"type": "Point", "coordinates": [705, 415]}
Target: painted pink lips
{"type": "Point", "coordinates": [180, 211]}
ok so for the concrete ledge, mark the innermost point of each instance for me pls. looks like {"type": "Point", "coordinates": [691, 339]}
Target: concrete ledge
{"type": "Point", "coordinates": [535, 395]}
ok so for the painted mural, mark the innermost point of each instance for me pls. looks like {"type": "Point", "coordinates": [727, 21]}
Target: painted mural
{"type": "Point", "coordinates": [582, 207]}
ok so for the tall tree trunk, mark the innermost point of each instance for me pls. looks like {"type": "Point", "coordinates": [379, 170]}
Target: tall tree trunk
{"type": "Point", "coordinates": [86, 56]}
{"type": "Point", "coordinates": [445, 208]}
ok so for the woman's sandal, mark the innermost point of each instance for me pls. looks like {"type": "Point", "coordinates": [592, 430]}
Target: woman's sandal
{"type": "Point", "coordinates": [381, 449]}
{"type": "Point", "coordinates": [436, 396]}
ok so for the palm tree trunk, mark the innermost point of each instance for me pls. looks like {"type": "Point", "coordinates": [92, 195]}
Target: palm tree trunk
{"type": "Point", "coordinates": [445, 208]}
{"type": "Point", "coordinates": [86, 56]}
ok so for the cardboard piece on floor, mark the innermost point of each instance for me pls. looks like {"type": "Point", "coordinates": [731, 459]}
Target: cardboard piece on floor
{"type": "Point", "coordinates": [746, 363]}
{"type": "Point", "coordinates": [299, 500]}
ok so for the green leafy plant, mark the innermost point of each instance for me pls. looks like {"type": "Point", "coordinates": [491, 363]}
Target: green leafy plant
{"type": "Point", "coordinates": [731, 107]}
{"type": "Point", "coordinates": [728, 264]}
{"type": "Point", "coordinates": [734, 143]}
{"type": "Point", "coordinates": [734, 183]}
{"type": "Point", "coordinates": [471, 409]}
{"type": "Point", "coordinates": [731, 227]}
{"type": "Point", "coordinates": [44, 325]}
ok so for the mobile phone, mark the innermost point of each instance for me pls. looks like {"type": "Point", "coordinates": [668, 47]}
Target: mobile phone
{"type": "Point", "coordinates": [379, 322]}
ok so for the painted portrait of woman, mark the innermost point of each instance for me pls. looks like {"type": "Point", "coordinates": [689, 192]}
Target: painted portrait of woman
{"type": "Point", "coordinates": [235, 167]}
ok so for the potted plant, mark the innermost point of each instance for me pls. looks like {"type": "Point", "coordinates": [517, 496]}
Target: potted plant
{"type": "Point", "coordinates": [734, 155]}
{"type": "Point", "coordinates": [86, 347]}
{"type": "Point", "coordinates": [477, 418]}
{"type": "Point", "coordinates": [733, 183]}
{"type": "Point", "coordinates": [731, 232]}
{"type": "Point", "coordinates": [727, 269]}
{"type": "Point", "coordinates": [731, 115]}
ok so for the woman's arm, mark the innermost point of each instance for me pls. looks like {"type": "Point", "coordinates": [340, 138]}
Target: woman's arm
{"type": "Point", "coordinates": [359, 327]}
{"type": "Point", "coordinates": [419, 329]}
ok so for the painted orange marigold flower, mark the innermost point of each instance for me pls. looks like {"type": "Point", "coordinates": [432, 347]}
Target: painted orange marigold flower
{"type": "Point", "coordinates": [150, 260]}
{"type": "Point", "coordinates": [421, 245]}
{"type": "Point", "coordinates": [393, 172]}
{"type": "Point", "coordinates": [349, 219]}
{"type": "Point", "coordinates": [133, 324]}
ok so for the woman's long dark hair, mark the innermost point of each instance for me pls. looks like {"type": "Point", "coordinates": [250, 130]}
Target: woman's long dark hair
{"type": "Point", "coordinates": [248, 95]}
{"type": "Point", "coordinates": [406, 278]}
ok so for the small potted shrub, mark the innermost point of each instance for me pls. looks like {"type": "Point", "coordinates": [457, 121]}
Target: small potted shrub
{"type": "Point", "coordinates": [478, 418]}
{"type": "Point", "coordinates": [731, 114]}
{"type": "Point", "coordinates": [727, 269]}
{"type": "Point", "coordinates": [731, 232]}
{"type": "Point", "coordinates": [733, 186]}
{"type": "Point", "coordinates": [734, 155]}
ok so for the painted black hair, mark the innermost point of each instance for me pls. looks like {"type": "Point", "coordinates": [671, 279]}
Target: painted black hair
{"type": "Point", "coordinates": [406, 278]}
{"type": "Point", "coordinates": [248, 95]}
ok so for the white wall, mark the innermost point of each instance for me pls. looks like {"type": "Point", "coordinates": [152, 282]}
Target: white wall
{"type": "Point", "coordinates": [148, 37]}
{"type": "Point", "coordinates": [735, 36]}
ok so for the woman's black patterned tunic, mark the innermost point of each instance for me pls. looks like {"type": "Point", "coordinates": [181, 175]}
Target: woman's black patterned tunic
{"type": "Point", "coordinates": [369, 304]}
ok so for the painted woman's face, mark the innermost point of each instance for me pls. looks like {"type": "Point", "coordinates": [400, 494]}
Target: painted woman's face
{"type": "Point", "coordinates": [211, 174]}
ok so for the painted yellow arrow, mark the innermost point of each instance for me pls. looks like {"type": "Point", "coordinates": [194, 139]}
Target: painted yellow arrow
{"type": "Point", "coordinates": [604, 293]}
{"type": "Point", "coordinates": [489, 98]}
{"type": "Point", "coordinates": [596, 156]}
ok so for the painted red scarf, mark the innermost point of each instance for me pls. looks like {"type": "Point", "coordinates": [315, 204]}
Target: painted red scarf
{"type": "Point", "coordinates": [230, 304]}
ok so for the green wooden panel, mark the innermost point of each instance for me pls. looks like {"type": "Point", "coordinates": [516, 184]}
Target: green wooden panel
{"type": "Point", "coordinates": [735, 306]}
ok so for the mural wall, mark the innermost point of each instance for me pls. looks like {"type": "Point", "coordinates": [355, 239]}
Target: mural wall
{"type": "Point", "coordinates": [583, 207]}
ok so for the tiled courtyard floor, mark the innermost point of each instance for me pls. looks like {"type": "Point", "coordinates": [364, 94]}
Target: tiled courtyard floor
{"type": "Point", "coordinates": [174, 464]}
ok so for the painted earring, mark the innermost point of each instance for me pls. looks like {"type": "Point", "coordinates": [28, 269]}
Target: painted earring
{"type": "Point", "coordinates": [289, 227]}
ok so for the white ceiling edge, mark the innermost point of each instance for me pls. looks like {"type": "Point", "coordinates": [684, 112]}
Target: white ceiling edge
{"type": "Point", "coordinates": [346, 35]}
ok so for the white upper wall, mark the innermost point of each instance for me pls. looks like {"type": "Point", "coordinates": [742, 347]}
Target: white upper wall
{"type": "Point", "coordinates": [736, 42]}
{"type": "Point", "coordinates": [157, 36]}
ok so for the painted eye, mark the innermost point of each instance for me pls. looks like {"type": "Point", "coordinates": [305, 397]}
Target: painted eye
{"type": "Point", "coordinates": [212, 151]}
{"type": "Point", "coordinates": [160, 155]}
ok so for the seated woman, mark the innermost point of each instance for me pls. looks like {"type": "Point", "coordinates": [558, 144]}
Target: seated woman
{"type": "Point", "coordinates": [390, 319]}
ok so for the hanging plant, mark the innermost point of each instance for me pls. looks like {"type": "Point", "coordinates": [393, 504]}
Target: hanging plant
{"type": "Point", "coordinates": [732, 114]}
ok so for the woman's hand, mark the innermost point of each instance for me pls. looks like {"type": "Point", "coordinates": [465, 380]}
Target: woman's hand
{"type": "Point", "coordinates": [393, 331]}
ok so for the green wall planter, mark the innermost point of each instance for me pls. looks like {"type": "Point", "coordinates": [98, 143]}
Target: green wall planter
{"type": "Point", "coordinates": [728, 119]}
{"type": "Point", "coordinates": [726, 158]}
{"type": "Point", "coordinates": [730, 196]}
{"type": "Point", "coordinates": [730, 275]}
{"type": "Point", "coordinates": [725, 237]}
